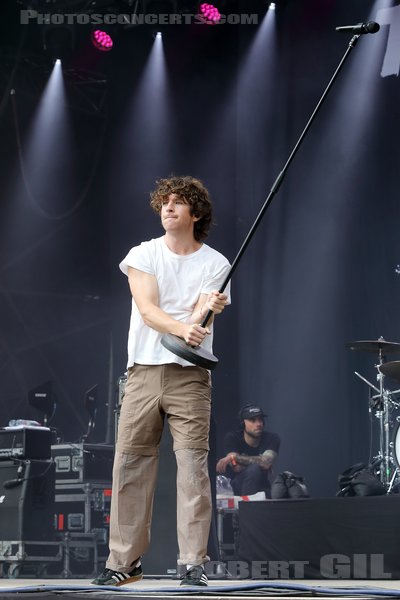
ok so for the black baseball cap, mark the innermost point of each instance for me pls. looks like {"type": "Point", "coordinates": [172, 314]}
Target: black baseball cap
{"type": "Point", "coordinates": [251, 412]}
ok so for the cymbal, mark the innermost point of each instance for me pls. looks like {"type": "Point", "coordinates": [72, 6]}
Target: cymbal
{"type": "Point", "coordinates": [391, 369]}
{"type": "Point", "coordinates": [380, 345]}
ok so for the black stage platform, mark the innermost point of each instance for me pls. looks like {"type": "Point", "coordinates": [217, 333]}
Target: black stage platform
{"type": "Point", "coordinates": [350, 538]}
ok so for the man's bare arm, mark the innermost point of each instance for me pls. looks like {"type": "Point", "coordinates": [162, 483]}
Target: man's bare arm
{"type": "Point", "coordinates": [239, 461]}
{"type": "Point", "coordinates": [144, 290]}
{"type": "Point", "coordinates": [265, 460]}
{"type": "Point", "coordinates": [215, 301]}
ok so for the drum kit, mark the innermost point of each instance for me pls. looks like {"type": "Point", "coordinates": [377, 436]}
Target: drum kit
{"type": "Point", "coordinates": [382, 402]}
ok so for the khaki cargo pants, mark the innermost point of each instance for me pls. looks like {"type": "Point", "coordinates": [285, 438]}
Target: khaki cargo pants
{"type": "Point", "coordinates": [183, 396]}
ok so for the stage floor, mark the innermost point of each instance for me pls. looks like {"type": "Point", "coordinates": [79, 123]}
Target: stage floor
{"type": "Point", "coordinates": [78, 589]}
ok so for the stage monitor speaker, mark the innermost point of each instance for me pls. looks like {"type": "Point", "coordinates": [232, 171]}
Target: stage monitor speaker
{"type": "Point", "coordinates": [27, 494]}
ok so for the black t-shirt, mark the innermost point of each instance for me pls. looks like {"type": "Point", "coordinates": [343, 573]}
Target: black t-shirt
{"type": "Point", "coordinates": [234, 442]}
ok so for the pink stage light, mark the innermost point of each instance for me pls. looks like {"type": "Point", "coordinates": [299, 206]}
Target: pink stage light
{"type": "Point", "coordinates": [102, 40]}
{"type": "Point", "coordinates": [210, 12]}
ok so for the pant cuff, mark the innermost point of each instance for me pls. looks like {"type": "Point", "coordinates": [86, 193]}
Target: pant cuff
{"type": "Point", "coordinates": [187, 560]}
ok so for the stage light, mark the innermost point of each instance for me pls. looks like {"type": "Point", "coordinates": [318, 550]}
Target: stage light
{"type": "Point", "coordinates": [210, 12]}
{"type": "Point", "coordinates": [102, 40]}
{"type": "Point", "coordinates": [272, 6]}
{"type": "Point", "coordinates": [58, 40]}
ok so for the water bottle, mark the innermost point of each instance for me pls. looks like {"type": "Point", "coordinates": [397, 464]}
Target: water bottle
{"type": "Point", "coordinates": [225, 495]}
{"type": "Point", "coordinates": [23, 423]}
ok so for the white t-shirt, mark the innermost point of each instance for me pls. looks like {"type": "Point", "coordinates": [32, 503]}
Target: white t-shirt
{"type": "Point", "coordinates": [181, 279]}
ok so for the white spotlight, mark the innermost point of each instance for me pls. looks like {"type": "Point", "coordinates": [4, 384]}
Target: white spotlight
{"type": "Point", "coordinates": [272, 6]}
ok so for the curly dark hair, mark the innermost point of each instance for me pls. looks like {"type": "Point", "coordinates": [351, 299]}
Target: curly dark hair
{"type": "Point", "coordinates": [196, 195]}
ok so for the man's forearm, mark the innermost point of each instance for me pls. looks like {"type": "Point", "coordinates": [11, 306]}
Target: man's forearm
{"type": "Point", "coordinates": [263, 460]}
{"type": "Point", "coordinates": [199, 314]}
{"type": "Point", "coordinates": [157, 319]}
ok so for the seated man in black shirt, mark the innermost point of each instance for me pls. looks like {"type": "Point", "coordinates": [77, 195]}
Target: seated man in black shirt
{"type": "Point", "coordinates": [250, 454]}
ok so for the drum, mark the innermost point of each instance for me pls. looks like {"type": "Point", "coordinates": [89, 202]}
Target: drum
{"type": "Point", "coordinates": [396, 443]}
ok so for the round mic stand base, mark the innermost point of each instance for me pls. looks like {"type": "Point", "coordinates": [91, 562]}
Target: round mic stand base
{"type": "Point", "coordinates": [197, 356]}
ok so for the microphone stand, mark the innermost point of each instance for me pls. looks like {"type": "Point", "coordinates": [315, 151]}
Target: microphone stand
{"type": "Point", "coordinates": [197, 355]}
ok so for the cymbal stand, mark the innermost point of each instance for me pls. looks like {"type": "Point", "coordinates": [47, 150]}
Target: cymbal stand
{"type": "Point", "coordinates": [381, 403]}
{"type": "Point", "coordinates": [375, 404]}
{"type": "Point", "coordinates": [384, 424]}
{"type": "Point", "coordinates": [386, 401]}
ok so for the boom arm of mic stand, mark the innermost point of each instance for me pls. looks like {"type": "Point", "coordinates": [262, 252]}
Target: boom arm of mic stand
{"type": "Point", "coordinates": [198, 356]}
{"type": "Point", "coordinates": [278, 182]}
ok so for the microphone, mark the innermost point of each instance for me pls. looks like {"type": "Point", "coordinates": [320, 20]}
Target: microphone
{"type": "Point", "coordinates": [11, 483]}
{"type": "Point", "coordinates": [360, 28]}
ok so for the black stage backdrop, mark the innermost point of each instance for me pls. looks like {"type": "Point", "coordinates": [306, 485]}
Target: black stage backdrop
{"type": "Point", "coordinates": [227, 105]}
